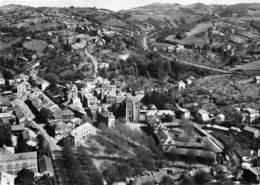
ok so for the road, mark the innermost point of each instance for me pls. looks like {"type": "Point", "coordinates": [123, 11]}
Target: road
{"type": "Point", "coordinates": [145, 43]}
{"type": "Point", "coordinates": [50, 140]}
{"type": "Point", "coordinates": [94, 62]}
{"type": "Point", "coordinates": [61, 176]}
{"type": "Point", "coordinates": [198, 66]}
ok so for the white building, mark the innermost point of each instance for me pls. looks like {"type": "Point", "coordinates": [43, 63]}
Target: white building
{"type": "Point", "coordinates": [220, 118]}
{"type": "Point", "coordinates": [190, 80]}
{"type": "Point", "coordinates": [184, 113]}
{"type": "Point", "coordinates": [2, 79]}
{"type": "Point", "coordinates": [203, 115]}
{"type": "Point", "coordinates": [23, 87]}
{"type": "Point", "coordinates": [83, 132]}
{"type": "Point", "coordinates": [253, 131]}
{"type": "Point", "coordinates": [6, 179]}
{"type": "Point", "coordinates": [181, 85]}
{"type": "Point", "coordinates": [103, 66]}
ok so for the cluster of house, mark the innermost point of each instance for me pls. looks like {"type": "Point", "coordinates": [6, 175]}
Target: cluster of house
{"type": "Point", "coordinates": [85, 38]}
{"type": "Point", "coordinates": [18, 116]}
{"type": "Point", "coordinates": [18, 109]}
{"type": "Point", "coordinates": [248, 118]}
{"type": "Point", "coordinates": [180, 141]}
{"type": "Point", "coordinates": [155, 176]}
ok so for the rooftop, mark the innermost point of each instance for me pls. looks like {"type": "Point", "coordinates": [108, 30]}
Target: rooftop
{"type": "Point", "coordinates": [18, 156]}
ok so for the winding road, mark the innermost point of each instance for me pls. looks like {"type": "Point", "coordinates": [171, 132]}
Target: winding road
{"type": "Point", "coordinates": [198, 66]}
{"type": "Point", "coordinates": [94, 62]}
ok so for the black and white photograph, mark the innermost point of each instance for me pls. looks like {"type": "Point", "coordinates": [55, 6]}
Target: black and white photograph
{"type": "Point", "coordinates": [129, 92]}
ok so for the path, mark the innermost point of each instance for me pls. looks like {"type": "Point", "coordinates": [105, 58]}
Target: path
{"type": "Point", "coordinates": [145, 43]}
{"type": "Point", "coordinates": [198, 66]}
{"type": "Point", "coordinates": [94, 62]}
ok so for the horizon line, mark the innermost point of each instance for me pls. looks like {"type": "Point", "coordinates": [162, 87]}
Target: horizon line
{"type": "Point", "coordinates": [163, 3]}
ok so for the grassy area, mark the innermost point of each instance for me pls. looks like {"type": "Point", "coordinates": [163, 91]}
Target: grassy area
{"type": "Point", "coordinates": [240, 143]}
{"type": "Point", "coordinates": [248, 67]}
{"type": "Point", "coordinates": [5, 45]}
{"type": "Point", "coordinates": [202, 27]}
{"type": "Point", "coordinates": [35, 45]}
{"type": "Point", "coordinates": [122, 152]}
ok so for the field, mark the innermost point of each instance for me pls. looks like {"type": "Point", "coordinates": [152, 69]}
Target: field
{"type": "Point", "coordinates": [35, 45]}
{"type": "Point", "coordinates": [253, 66]}
{"type": "Point", "coordinates": [38, 23]}
{"type": "Point", "coordinates": [5, 45]}
{"type": "Point", "coordinates": [188, 40]}
{"type": "Point", "coordinates": [202, 27]}
{"type": "Point", "coordinates": [114, 22]}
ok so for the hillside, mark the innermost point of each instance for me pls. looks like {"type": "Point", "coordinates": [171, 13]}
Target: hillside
{"type": "Point", "coordinates": [204, 30]}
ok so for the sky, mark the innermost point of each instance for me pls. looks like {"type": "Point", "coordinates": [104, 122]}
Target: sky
{"type": "Point", "coordinates": [114, 4]}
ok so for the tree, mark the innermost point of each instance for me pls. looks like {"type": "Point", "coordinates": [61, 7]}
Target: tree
{"type": "Point", "coordinates": [112, 174]}
{"type": "Point", "coordinates": [179, 36]}
{"type": "Point", "coordinates": [5, 135]}
{"type": "Point", "coordinates": [145, 157]}
{"type": "Point", "coordinates": [45, 180]}
{"type": "Point", "coordinates": [24, 177]}
{"type": "Point", "coordinates": [149, 183]}
{"type": "Point", "coordinates": [22, 146]}
{"type": "Point", "coordinates": [52, 78]}
{"type": "Point", "coordinates": [45, 114]}
{"type": "Point", "coordinates": [201, 178]}
{"type": "Point", "coordinates": [188, 129]}
{"type": "Point", "coordinates": [187, 181]}
{"type": "Point", "coordinates": [167, 181]}
{"type": "Point", "coordinates": [167, 118]}
{"type": "Point", "coordinates": [72, 165]}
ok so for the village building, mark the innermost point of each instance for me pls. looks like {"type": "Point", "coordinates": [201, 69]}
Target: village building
{"type": "Point", "coordinates": [159, 113]}
{"type": "Point", "coordinates": [13, 163]}
{"type": "Point", "coordinates": [83, 132]}
{"type": "Point", "coordinates": [181, 85]}
{"type": "Point", "coordinates": [23, 87]}
{"type": "Point", "coordinates": [7, 149]}
{"type": "Point", "coordinates": [93, 112]}
{"type": "Point", "coordinates": [2, 79]}
{"type": "Point", "coordinates": [106, 117]}
{"type": "Point", "coordinates": [39, 100]}
{"type": "Point", "coordinates": [45, 166]}
{"type": "Point", "coordinates": [40, 83]}
{"type": "Point", "coordinates": [103, 66]}
{"type": "Point", "coordinates": [154, 176]}
{"type": "Point", "coordinates": [30, 137]}
{"type": "Point", "coordinates": [235, 130]}
{"type": "Point", "coordinates": [249, 115]}
{"type": "Point", "coordinates": [253, 132]}
{"type": "Point", "coordinates": [220, 118]}
{"type": "Point", "coordinates": [62, 129]}
{"type": "Point", "coordinates": [203, 115]}
{"type": "Point", "coordinates": [7, 118]}
{"type": "Point", "coordinates": [183, 113]}
{"type": "Point", "coordinates": [17, 129]}
{"type": "Point", "coordinates": [67, 115]}
{"type": "Point", "coordinates": [132, 109]}
{"type": "Point", "coordinates": [22, 111]}
{"type": "Point", "coordinates": [190, 80]}
{"type": "Point", "coordinates": [6, 179]}
{"type": "Point", "coordinates": [89, 100]}
{"type": "Point", "coordinates": [75, 121]}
